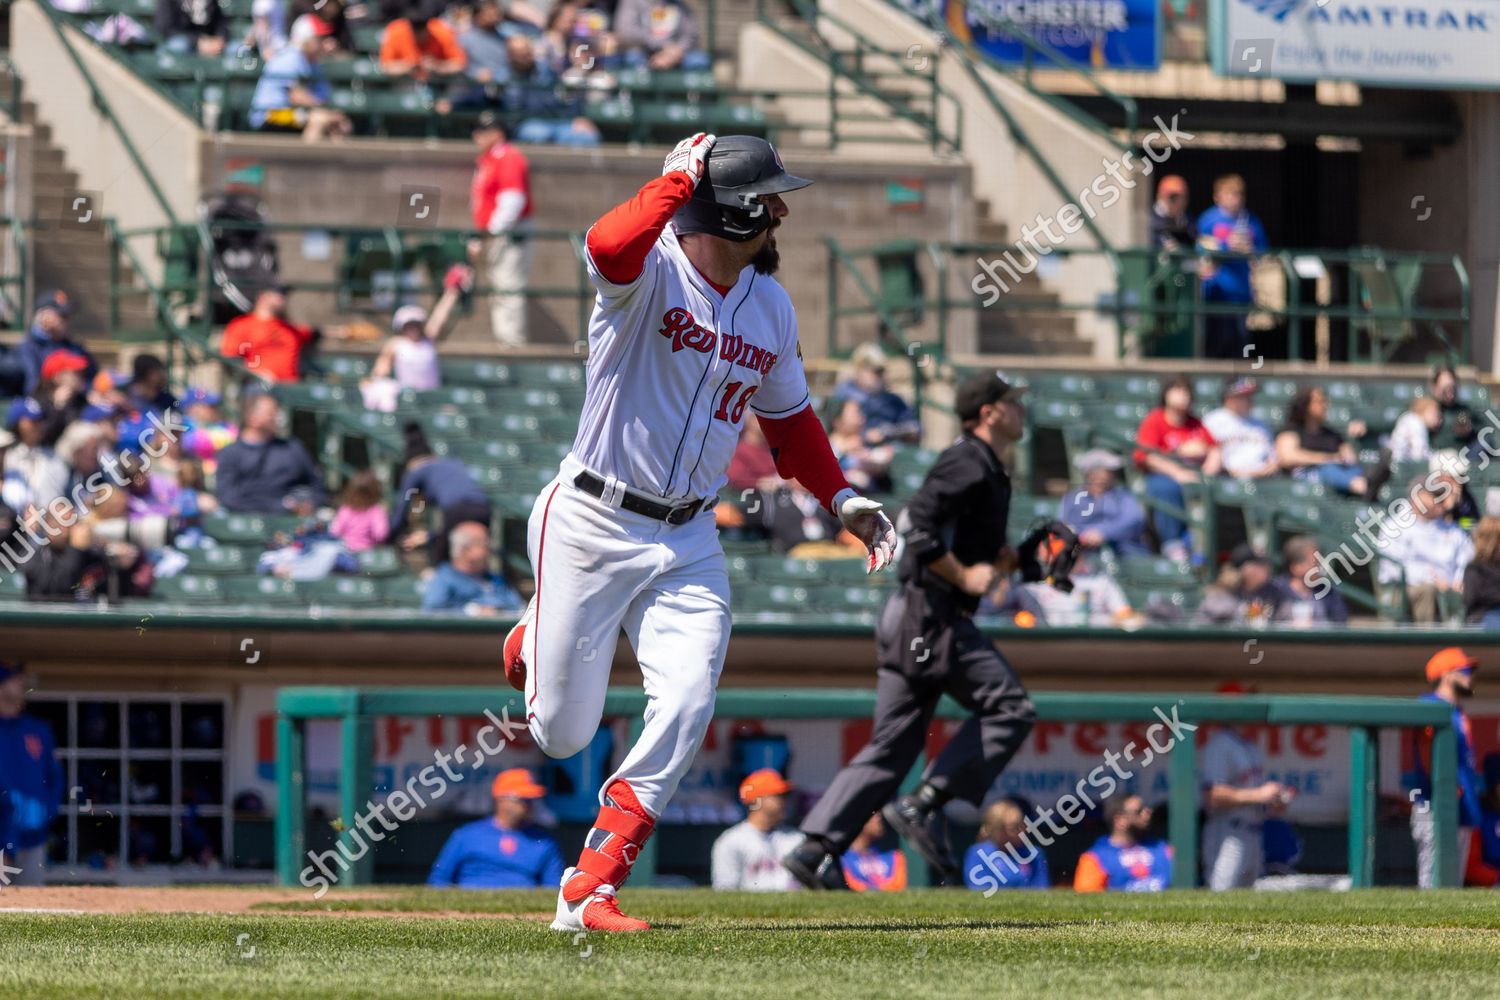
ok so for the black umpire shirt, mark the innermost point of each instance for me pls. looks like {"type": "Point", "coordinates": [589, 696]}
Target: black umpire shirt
{"type": "Point", "coordinates": [961, 508]}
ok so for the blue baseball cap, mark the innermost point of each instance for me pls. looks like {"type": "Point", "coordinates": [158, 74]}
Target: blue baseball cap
{"type": "Point", "coordinates": [200, 397]}
{"type": "Point", "coordinates": [25, 407]}
{"type": "Point", "coordinates": [94, 414]}
{"type": "Point", "coordinates": [135, 431]}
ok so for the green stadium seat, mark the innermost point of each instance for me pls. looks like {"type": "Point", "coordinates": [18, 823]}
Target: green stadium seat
{"type": "Point", "coordinates": [185, 588]}
{"type": "Point", "coordinates": [347, 367]}
{"type": "Point", "coordinates": [342, 591]}
{"type": "Point", "coordinates": [460, 397]}
{"type": "Point", "coordinates": [221, 559]}
{"type": "Point", "coordinates": [379, 562]}
{"type": "Point", "coordinates": [467, 371]}
{"type": "Point", "coordinates": [263, 590]}
{"type": "Point", "coordinates": [13, 587]}
{"type": "Point", "coordinates": [1135, 389]}
{"type": "Point", "coordinates": [247, 529]}
{"type": "Point", "coordinates": [447, 424]}
{"type": "Point", "coordinates": [316, 396]}
{"type": "Point", "coordinates": [540, 375]}
{"type": "Point", "coordinates": [404, 591]}
{"type": "Point", "coordinates": [1064, 387]}
{"type": "Point", "coordinates": [345, 71]}
{"type": "Point", "coordinates": [1140, 569]}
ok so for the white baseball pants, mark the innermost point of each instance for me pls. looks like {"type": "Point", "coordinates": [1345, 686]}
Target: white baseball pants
{"type": "Point", "coordinates": [1233, 854]}
{"type": "Point", "coordinates": [599, 569]}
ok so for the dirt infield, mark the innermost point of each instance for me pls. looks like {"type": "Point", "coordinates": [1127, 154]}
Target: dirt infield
{"type": "Point", "coordinates": [205, 899]}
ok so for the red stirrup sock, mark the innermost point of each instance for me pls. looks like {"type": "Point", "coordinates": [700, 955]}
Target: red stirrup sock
{"type": "Point", "coordinates": [613, 844]}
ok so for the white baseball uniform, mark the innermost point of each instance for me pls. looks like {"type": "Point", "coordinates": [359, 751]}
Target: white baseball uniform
{"type": "Point", "coordinates": [1233, 839]}
{"type": "Point", "coordinates": [746, 858]}
{"type": "Point", "coordinates": [674, 367]}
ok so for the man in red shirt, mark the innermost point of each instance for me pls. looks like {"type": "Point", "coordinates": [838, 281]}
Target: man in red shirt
{"type": "Point", "coordinates": [420, 48]}
{"type": "Point", "coordinates": [269, 345]}
{"type": "Point", "coordinates": [1176, 449]}
{"type": "Point", "coordinates": [500, 200]}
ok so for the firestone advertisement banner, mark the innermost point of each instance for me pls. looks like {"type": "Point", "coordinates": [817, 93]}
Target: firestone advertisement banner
{"type": "Point", "coordinates": [1429, 44]}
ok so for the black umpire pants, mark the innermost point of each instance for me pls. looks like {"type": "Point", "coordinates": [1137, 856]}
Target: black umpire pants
{"type": "Point", "coordinates": [927, 647]}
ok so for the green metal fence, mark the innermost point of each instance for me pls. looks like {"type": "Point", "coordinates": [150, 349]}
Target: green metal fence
{"type": "Point", "coordinates": [356, 709]}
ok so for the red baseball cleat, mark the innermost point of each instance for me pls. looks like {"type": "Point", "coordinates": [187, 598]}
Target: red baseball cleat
{"type": "Point", "coordinates": [515, 666]}
{"type": "Point", "coordinates": [598, 911]}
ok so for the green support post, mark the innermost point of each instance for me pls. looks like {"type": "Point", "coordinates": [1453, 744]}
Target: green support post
{"type": "Point", "coordinates": [1363, 771]}
{"type": "Point", "coordinates": [291, 804]}
{"type": "Point", "coordinates": [644, 868]}
{"type": "Point", "coordinates": [1182, 799]}
{"type": "Point", "coordinates": [356, 784]}
{"type": "Point", "coordinates": [918, 872]}
{"type": "Point", "coordinates": [1444, 804]}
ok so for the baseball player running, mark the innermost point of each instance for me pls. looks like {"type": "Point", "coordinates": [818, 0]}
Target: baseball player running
{"type": "Point", "coordinates": [689, 335]}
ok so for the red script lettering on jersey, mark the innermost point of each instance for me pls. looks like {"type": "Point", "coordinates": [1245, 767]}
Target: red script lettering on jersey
{"type": "Point", "coordinates": [679, 325]}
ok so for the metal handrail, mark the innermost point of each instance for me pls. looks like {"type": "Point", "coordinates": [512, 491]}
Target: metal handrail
{"type": "Point", "coordinates": [839, 262]}
{"type": "Point", "coordinates": [102, 103]}
{"type": "Point", "coordinates": [840, 67]}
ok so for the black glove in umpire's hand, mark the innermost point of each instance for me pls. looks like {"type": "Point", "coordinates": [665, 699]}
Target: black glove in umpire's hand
{"type": "Point", "coordinates": [1048, 553]}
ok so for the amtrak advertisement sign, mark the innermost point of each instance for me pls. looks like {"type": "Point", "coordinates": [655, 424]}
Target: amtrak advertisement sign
{"type": "Point", "coordinates": [1413, 43]}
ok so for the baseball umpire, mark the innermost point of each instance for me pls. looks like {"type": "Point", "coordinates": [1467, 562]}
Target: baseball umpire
{"type": "Point", "coordinates": [928, 644]}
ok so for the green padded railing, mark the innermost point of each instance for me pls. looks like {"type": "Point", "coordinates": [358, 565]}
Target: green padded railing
{"type": "Point", "coordinates": [1157, 297]}
{"type": "Point", "coordinates": [357, 708]}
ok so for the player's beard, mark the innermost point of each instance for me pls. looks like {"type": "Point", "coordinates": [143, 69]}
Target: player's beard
{"type": "Point", "coordinates": [767, 259]}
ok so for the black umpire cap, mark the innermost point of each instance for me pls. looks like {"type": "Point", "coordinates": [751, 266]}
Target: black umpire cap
{"type": "Point", "coordinates": [982, 390]}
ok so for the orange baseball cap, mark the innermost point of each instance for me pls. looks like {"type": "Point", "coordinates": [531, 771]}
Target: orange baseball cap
{"type": "Point", "coordinates": [1445, 661]}
{"type": "Point", "coordinates": [516, 784]}
{"type": "Point", "coordinates": [1172, 184]}
{"type": "Point", "coordinates": [766, 781]}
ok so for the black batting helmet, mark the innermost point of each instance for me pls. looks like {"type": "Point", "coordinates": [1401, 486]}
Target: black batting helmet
{"type": "Point", "coordinates": [727, 202]}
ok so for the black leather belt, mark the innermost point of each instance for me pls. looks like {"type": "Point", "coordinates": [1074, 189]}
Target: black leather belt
{"type": "Point", "coordinates": [637, 504]}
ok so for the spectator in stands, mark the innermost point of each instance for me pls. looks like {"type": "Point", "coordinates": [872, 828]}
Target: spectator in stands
{"type": "Point", "coordinates": [867, 467]}
{"type": "Point", "coordinates": [1246, 442]}
{"type": "Point", "coordinates": [260, 470]}
{"type": "Point", "coordinates": [994, 860]}
{"type": "Point", "coordinates": [888, 417]}
{"type": "Point", "coordinates": [193, 502]}
{"type": "Point", "coordinates": [361, 522]}
{"type": "Point", "coordinates": [268, 24]}
{"type": "Point", "coordinates": [1128, 858]}
{"type": "Point", "coordinates": [292, 91]}
{"type": "Point", "coordinates": [531, 96]}
{"type": "Point", "coordinates": [465, 583]}
{"type": "Point", "coordinates": [1458, 430]}
{"type": "Point", "coordinates": [1430, 554]}
{"type": "Point", "coordinates": [500, 201]}
{"type": "Point", "coordinates": [33, 472]}
{"type": "Point", "coordinates": [188, 26]}
{"type": "Point", "coordinates": [267, 342]}
{"type": "Point", "coordinates": [60, 392]}
{"type": "Point", "coordinates": [1171, 228]}
{"type": "Point", "coordinates": [661, 34]}
{"type": "Point", "coordinates": [748, 855]}
{"type": "Point", "coordinates": [49, 333]}
{"type": "Point", "coordinates": [444, 483]}
{"type": "Point", "coordinates": [1411, 438]}
{"type": "Point", "coordinates": [208, 432]}
{"type": "Point", "coordinates": [488, 57]}
{"type": "Point", "coordinates": [578, 46]}
{"type": "Point", "coordinates": [409, 360]}
{"type": "Point", "coordinates": [31, 782]}
{"type": "Point", "coordinates": [503, 851]}
{"type": "Point", "coordinates": [866, 868]}
{"type": "Point", "coordinates": [1176, 449]}
{"type": "Point", "coordinates": [1228, 227]}
{"type": "Point", "coordinates": [338, 36]}
{"type": "Point", "coordinates": [1481, 584]}
{"type": "Point", "coordinates": [754, 482]}
{"type": "Point", "coordinates": [1104, 513]}
{"type": "Point", "coordinates": [1309, 449]}
{"type": "Point", "coordinates": [1095, 600]}
{"type": "Point", "coordinates": [420, 47]}
{"type": "Point", "coordinates": [310, 551]}
{"type": "Point", "coordinates": [1244, 592]}
{"type": "Point", "coordinates": [148, 391]}
{"type": "Point", "coordinates": [65, 565]}
{"type": "Point", "coordinates": [1450, 672]}
{"type": "Point", "coordinates": [1297, 601]}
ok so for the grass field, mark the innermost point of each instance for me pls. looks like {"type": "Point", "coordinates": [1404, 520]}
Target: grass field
{"type": "Point", "coordinates": [427, 944]}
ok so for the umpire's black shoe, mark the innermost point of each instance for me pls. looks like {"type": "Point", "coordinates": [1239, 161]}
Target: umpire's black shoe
{"type": "Point", "coordinates": [815, 866]}
{"type": "Point", "coordinates": [926, 831]}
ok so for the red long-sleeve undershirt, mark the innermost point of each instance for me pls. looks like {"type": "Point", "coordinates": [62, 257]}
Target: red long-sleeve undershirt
{"type": "Point", "coordinates": [801, 451]}
{"type": "Point", "coordinates": [623, 236]}
{"type": "Point", "coordinates": [619, 243]}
